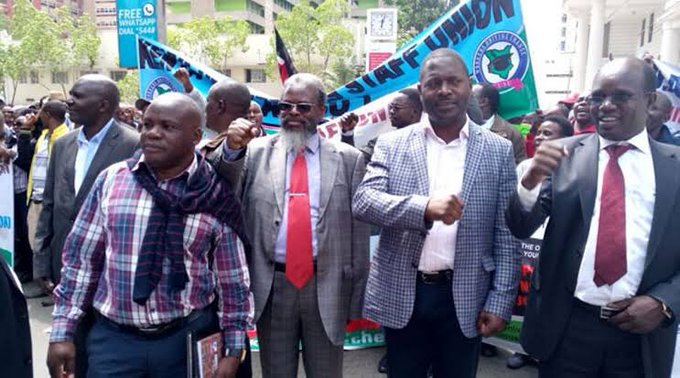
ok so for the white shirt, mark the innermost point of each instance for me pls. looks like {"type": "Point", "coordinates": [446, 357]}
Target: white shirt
{"type": "Point", "coordinates": [638, 173]}
{"type": "Point", "coordinates": [445, 168]}
{"type": "Point", "coordinates": [488, 123]}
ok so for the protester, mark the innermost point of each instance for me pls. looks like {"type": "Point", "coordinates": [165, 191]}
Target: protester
{"type": "Point", "coordinates": [608, 240]}
{"type": "Point", "coordinates": [489, 100]}
{"type": "Point", "coordinates": [255, 116]}
{"type": "Point", "coordinates": [15, 331]}
{"type": "Point", "coordinates": [559, 109]}
{"type": "Point", "coordinates": [141, 104]}
{"type": "Point", "coordinates": [532, 120]}
{"type": "Point", "coordinates": [310, 257]}
{"type": "Point", "coordinates": [76, 160]}
{"type": "Point", "coordinates": [553, 127]}
{"type": "Point", "coordinates": [227, 101]}
{"type": "Point", "coordinates": [583, 121]}
{"type": "Point", "coordinates": [52, 115]}
{"type": "Point", "coordinates": [8, 113]}
{"type": "Point", "coordinates": [126, 114]}
{"type": "Point", "coordinates": [158, 240]}
{"type": "Point", "coordinates": [660, 113]}
{"type": "Point", "coordinates": [431, 283]}
{"type": "Point", "coordinates": [405, 109]}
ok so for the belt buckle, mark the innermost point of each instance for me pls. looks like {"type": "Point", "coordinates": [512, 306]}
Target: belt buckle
{"type": "Point", "coordinates": [608, 312]}
{"type": "Point", "coordinates": [429, 278]}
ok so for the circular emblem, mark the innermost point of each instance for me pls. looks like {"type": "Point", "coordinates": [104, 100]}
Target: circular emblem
{"type": "Point", "coordinates": [502, 59]}
{"type": "Point", "coordinates": [148, 10]}
{"type": "Point", "coordinates": [157, 87]}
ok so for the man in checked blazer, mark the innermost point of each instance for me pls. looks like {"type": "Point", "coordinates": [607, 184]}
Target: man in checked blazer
{"type": "Point", "coordinates": [313, 311]}
{"type": "Point", "coordinates": [446, 269]}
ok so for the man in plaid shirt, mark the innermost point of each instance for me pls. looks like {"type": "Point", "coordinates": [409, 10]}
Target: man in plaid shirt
{"type": "Point", "coordinates": [157, 251]}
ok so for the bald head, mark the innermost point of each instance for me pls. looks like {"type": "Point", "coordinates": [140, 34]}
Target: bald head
{"type": "Point", "coordinates": [659, 113]}
{"type": "Point", "coordinates": [180, 106]}
{"type": "Point", "coordinates": [227, 100]}
{"type": "Point", "coordinates": [639, 71]}
{"type": "Point", "coordinates": [308, 81]}
{"type": "Point", "coordinates": [93, 101]}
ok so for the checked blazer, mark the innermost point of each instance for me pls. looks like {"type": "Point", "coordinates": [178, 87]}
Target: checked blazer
{"type": "Point", "coordinates": [394, 195]}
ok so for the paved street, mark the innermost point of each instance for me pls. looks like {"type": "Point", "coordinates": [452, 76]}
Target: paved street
{"type": "Point", "coordinates": [359, 364]}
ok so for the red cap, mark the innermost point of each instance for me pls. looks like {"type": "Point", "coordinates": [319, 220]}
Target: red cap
{"type": "Point", "coordinates": [573, 97]}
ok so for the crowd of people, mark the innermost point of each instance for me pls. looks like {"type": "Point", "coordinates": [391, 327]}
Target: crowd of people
{"type": "Point", "coordinates": [144, 224]}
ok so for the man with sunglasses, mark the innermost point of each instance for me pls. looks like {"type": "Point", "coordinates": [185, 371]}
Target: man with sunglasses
{"type": "Point", "coordinates": [604, 296]}
{"type": "Point", "coordinates": [309, 260]}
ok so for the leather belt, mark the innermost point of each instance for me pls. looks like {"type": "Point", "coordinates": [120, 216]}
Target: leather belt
{"type": "Point", "coordinates": [281, 267]}
{"type": "Point", "coordinates": [601, 312]}
{"type": "Point", "coordinates": [433, 278]}
{"type": "Point", "coordinates": [151, 332]}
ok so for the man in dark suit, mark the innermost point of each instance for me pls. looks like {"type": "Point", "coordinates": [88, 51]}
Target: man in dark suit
{"type": "Point", "coordinates": [603, 297]}
{"type": "Point", "coordinates": [15, 335]}
{"type": "Point", "coordinates": [76, 160]}
{"type": "Point", "coordinates": [489, 100]}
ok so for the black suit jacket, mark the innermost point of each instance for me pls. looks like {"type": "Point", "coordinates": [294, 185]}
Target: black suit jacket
{"type": "Point", "coordinates": [568, 197]}
{"type": "Point", "coordinates": [61, 204]}
{"type": "Point", "coordinates": [15, 332]}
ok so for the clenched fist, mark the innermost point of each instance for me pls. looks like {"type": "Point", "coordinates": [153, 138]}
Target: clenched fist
{"type": "Point", "coordinates": [545, 161]}
{"type": "Point", "coordinates": [240, 133]}
{"type": "Point", "coordinates": [446, 208]}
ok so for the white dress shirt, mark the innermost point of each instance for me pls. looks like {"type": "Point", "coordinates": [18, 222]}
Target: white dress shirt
{"type": "Point", "coordinates": [445, 168]}
{"type": "Point", "coordinates": [489, 122]}
{"type": "Point", "coordinates": [638, 173]}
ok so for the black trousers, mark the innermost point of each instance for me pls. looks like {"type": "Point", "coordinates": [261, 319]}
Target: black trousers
{"type": "Point", "coordinates": [593, 348]}
{"type": "Point", "coordinates": [23, 255]}
{"type": "Point", "coordinates": [432, 337]}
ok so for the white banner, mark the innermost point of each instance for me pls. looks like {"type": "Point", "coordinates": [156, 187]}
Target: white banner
{"type": "Point", "coordinates": [7, 214]}
{"type": "Point", "coordinates": [668, 81]}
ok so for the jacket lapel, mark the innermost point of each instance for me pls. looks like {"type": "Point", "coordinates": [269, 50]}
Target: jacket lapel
{"type": "Point", "coordinates": [473, 157]}
{"type": "Point", "coordinates": [69, 160]}
{"type": "Point", "coordinates": [585, 164]}
{"type": "Point", "coordinates": [329, 161]}
{"type": "Point", "coordinates": [101, 160]}
{"type": "Point", "coordinates": [667, 177]}
{"type": "Point", "coordinates": [277, 169]}
{"type": "Point", "coordinates": [418, 151]}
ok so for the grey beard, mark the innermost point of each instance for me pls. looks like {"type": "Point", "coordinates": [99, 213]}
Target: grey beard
{"type": "Point", "coordinates": [294, 139]}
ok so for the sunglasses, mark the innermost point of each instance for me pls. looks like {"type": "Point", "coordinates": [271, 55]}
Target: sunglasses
{"type": "Point", "coordinates": [302, 107]}
{"type": "Point", "coordinates": [616, 98]}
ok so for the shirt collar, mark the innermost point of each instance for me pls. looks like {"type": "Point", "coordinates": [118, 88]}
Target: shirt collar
{"type": "Point", "coordinates": [429, 131]}
{"type": "Point", "coordinates": [639, 141]}
{"type": "Point", "coordinates": [489, 122]}
{"type": "Point", "coordinates": [191, 169]}
{"type": "Point", "coordinates": [97, 138]}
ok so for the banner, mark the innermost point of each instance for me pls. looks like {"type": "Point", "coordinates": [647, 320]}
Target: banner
{"type": "Point", "coordinates": [509, 337]}
{"type": "Point", "coordinates": [488, 34]}
{"type": "Point", "coordinates": [7, 214]}
{"type": "Point", "coordinates": [134, 18]}
{"type": "Point", "coordinates": [668, 81]}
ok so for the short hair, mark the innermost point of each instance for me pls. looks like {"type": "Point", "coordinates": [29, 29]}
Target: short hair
{"type": "Point", "coordinates": [566, 128]}
{"type": "Point", "coordinates": [441, 53]}
{"type": "Point", "coordinates": [308, 79]}
{"type": "Point", "coordinates": [413, 96]}
{"type": "Point", "coordinates": [490, 92]}
{"type": "Point", "coordinates": [56, 109]}
{"type": "Point", "coordinates": [23, 111]}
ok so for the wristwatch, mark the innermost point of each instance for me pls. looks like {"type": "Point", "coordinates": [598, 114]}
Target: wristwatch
{"type": "Point", "coordinates": [666, 311]}
{"type": "Point", "coordinates": [235, 352]}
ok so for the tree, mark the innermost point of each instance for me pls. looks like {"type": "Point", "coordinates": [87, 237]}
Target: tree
{"type": "Point", "coordinates": [129, 87]}
{"type": "Point", "coordinates": [416, 15]}
{"type": "Point", "coordinates": [211, 40]}
{"type": "Point", "coordinates": [316, 38]}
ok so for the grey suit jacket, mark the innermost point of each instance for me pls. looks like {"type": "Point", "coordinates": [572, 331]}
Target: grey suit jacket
{"type": "Point", "coordinates": [394, 195]}
{"type": "Point", "coordinates": [505, 129]}
{"type": "Point", "coordinates": [568, 197]}
{"type": "Point", "coordinates": [343, 256]}
{"type": "Point", "coordinates": [60, 202]}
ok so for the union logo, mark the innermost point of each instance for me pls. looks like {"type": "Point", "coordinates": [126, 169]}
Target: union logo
{"type": "Point", "coordinates": [501, 59]}
{"type": "Point", "coordinates": [158, 86]}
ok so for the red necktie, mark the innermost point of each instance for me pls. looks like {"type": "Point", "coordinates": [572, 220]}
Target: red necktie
{"type": "Point", "coordinates": [299, 263]}
{"type": "Point", "coordinates": [610, 251]}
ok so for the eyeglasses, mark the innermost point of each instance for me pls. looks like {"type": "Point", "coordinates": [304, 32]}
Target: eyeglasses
{"type": "Point", "coordinates": [615, 98]}
{"type": "Point", "coordinates": [302, 107]}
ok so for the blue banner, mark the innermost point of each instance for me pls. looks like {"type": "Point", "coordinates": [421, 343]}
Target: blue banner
{"type": "Point", "coordinates": [489, 35]}
{"type": "Point", "coordinates": [134, 18]}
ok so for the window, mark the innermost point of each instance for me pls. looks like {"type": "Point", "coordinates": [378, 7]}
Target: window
{"type": "Point", "coordinates": [642, 32]}
{"type": "Point", "coordinates": [255, 8]}
{"type": "Point", "coordinates": [35, 77]}
{"type": "Point", "coordinates": [564, 32]}
{"type": "Point", "coordinates": [255, 28]}
{"type": "Point", "coordinates": [650, 31]}
{"type": "Point", "coordinates": [23, 79]}
{"type": "Point", "coordinates": [255, 76]}
{"type": "Point", "coordinates": [564, 18]}
{"type": "Point", "coordinates": [563, 45]}
{"type": "Point", "coordinates": [118, 75]}
{"type": "Point", "coordinates": [87, 72]}
{"type": "Point", "coordinates": [59, 77]}
{"type": "Point", "coordinates": [605, 43]}
{"type": "Point", "coordinates": [226, 72]}
{"type": "Point", "coordinates": [284, 4]}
